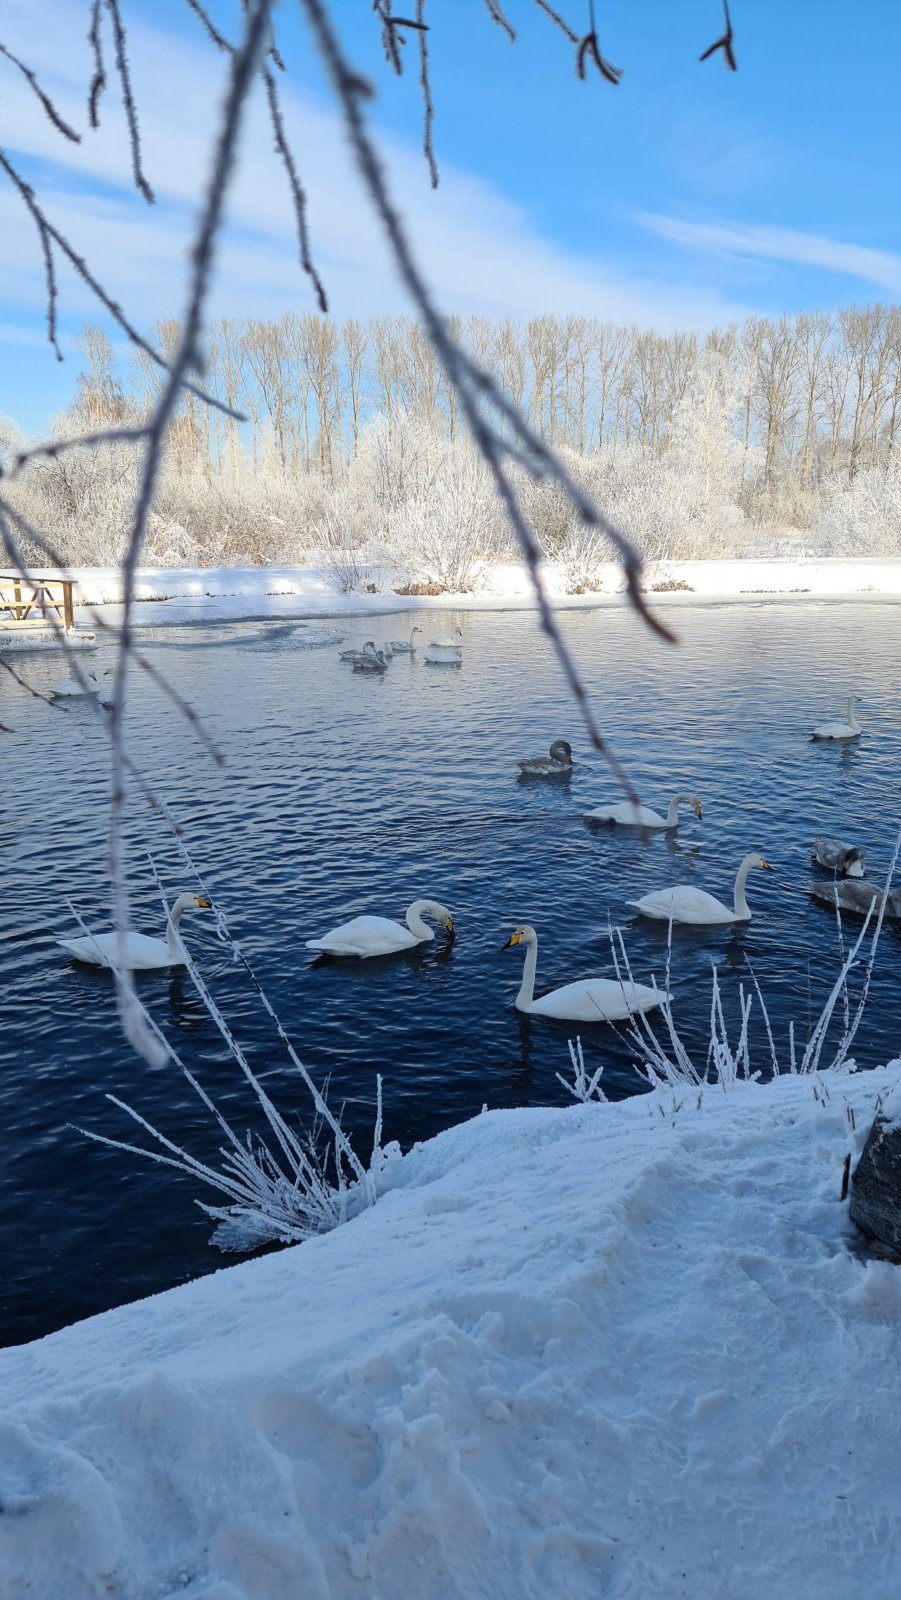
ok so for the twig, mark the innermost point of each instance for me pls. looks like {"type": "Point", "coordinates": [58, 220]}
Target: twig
{"type": "Point", "coordinates": [557, 20]}
{"type": "Point", "coordinates": [846, 1174]}
{"type": "Point", "coordinates": [131, 114]}
{"type": "Point", "coordinates": [724, 43]}
{"type": "Point", "coordinates": [428, 109]}
{"type": "Point", "coordinates": [58, 122]}
{"type": "Point", "coordinates": [45, 235]}
{"type": "Point", "coordinates": [589, 47]}
{"type": "Point", "coordinates": [496, 14]}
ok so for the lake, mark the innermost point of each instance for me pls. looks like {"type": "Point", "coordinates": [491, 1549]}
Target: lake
{"type": "Point", "coordinates": [344, 793]}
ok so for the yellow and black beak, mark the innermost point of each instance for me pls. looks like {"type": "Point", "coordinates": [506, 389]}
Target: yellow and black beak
{"type": "Point", "coordinates": [450, 926]}
{"type": "Point", "coordinates": [513, 939]}
{"type": "Point", "coordinates": [697, 808]}
{"type": "Point", "coordinates": [765, 865]}
{"type": "Point", "coordinates": [204, 903]}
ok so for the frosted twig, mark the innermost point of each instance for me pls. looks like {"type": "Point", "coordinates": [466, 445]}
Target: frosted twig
{"type": "Point", "coordinates": [201, 13]}
{"type": "Point", "coordinates": [58, 121]}
{"type": "Point", "coordinates": [298, 193]}
{"type": "Point", "coordinates": [590, 48]}
{"type": "Point", "coordinates": [557, 20]}
{"type": "Point", "coordinates": [496, 14]}
{"type": "Point", "coordinates": [51, 449]}
{"type": "Point", "coordinates": [45, 234]}
{"type": "Point", "coordinates": [724, 43]}
{"type": "Point", "coordinates": [428, 109]}
{"type": "Point", "coordinates": [98, 81]}
{"type": "Point", "coordinates": [131, 113]}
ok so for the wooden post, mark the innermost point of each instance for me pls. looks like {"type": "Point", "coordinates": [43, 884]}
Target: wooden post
{"type": "Point", "coordinates": [69, 608]}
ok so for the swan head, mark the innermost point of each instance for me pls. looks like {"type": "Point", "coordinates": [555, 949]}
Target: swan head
{"type": "Point", "coordinates": [760, 861]}
{"type": "Point", "coordinates": [415, 629]}
{"type": "Point", "coordinates": [523, 935]}
{"type": "Point", "coordinates": [695, 804]}
{"type": "Point", "coordinates": [440, 913]}
{"type": "Point", "coordinates": [191, 902]}
{"type": "Point", "coordinates": [855, 699]}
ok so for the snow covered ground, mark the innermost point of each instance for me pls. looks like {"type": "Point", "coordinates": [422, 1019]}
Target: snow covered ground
{"type": "Point", "coordinates": [232, 593]}
{"type": "Point", "coordinates": [612, 1351]}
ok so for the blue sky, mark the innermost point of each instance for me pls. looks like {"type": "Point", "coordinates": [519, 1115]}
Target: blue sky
{"type": "Point", "coordinates": [685, 196]}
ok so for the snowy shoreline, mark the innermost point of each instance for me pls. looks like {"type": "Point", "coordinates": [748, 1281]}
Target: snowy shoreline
{"type": "Point", "coordinates": [600, 1350]}
{"type": "Point", "coordinates": [179, 595]}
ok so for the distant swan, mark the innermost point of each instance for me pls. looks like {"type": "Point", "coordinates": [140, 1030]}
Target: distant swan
{"type": "Point", "coordinates": [380, 936]}
{"type": "Point", "coordinates": [448, 643]}
{"type": "Point", "coordinates": [557, 763]}
{"type": "Point", "coordinates": [587, 1000]}
{"type": "Point", "coordinates": [857, 897]}
{"type": "Point", "coordinates": [356, 655]}
{"type": "Point", "coordinates": [141, 953]}
{"type": "Point", "coordinates": [684, 903]}
{"type": "Point", "coordinates": [73, 690]}
{"type": "Point", "coordinates": [371, 659]}
{"type": "Point", "coordinates": [838, 857]}
{"type": "Point", "coordinates": [443, 655]}
{"type": "Point", "coordinates": [849, 729]}
{"type": "Point", "coordinates": [404, 647]}
{"type": "Point", "coordinates": [634, 816]}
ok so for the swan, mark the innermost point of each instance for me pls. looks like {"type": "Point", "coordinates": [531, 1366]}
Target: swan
{"type": "Point", "coordinates": [446, 642]}
{"type": "Point", "coordinates": [73, 690]}
{"type": "Point", "coordinates": [386, 649]}
{"type": "Point", "coordinates": [838, 857]}
{"type": "Point", "coordinates": [380, 936]}
{"type": "Point", "coordinates": [629, 815]}
{"type": "Point", "coordinates": [557, 762]}
{"type": "Point", "coordinates": [443, 655]}
{"type": "Point", "coordinates": [684, 903]}
{"type": "Point", "coordinates": [404, 647]}
{"type": "Point", "coordinates": [849, 729]}
{"type": "Point", "coordinates": [141, 952]}
{"type": "Point", "coordinates": [355, 655]}
{"type": "Point", "coordinates": [588, 1000]}
{"type": "Point", "coordinates": [857, 897]}
{"type": "Point", "coordinates": [371, 659]}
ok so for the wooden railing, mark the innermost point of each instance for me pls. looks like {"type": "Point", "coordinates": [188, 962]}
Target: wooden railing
{"type": "Point", "coordinates": [35, 603]}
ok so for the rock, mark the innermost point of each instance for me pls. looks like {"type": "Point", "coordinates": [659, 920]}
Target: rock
{"type": "Point", "coordinates": [876, 1186]}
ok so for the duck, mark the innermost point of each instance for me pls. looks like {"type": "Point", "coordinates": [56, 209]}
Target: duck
{"type": "Point", "coordinates": [450, 642]}
{"type": "Point", "coordinates": [405, 647]}
{"type": "Point", "coordinates": [857, 897]}
{"type": "Point", "coordinates": [838, 857]}
{"type": "Point", "coordinates": [849, 729]}
{"type": "Point", "coordinates": [631, 815]}
{"type": "Point", "coordinates": [371, 659]}
{"type": "Point", "coordinates": [380, 936]}
{"type": "Point", "coordinates": [443, 655]}
{"type": "Point", "coordinates": [557, 763]}
{"type": "Point", "coordinates": [586, 1000]}
{"type": "Point", "coordinates": [142, 953]}
{"type": "Point", "coordinates": [687, 904]}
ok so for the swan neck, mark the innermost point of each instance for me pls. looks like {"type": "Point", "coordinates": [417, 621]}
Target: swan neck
{"type": "Point", "coordinates": [417, 927]}
{"type": "Point", "coordinates": [852, 720]}
{"type": "Point", "coordinates": [741, 903]}
{"type": "Point", "coordinates": [672, 816]}
{"type": "Point", "coordinates": [172, 935]}
{"type": "Point", "coordinates": [527, 987]}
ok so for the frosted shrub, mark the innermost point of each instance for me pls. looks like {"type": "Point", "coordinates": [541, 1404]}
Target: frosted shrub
{"type": "Point", "coordinates": [863, 516]}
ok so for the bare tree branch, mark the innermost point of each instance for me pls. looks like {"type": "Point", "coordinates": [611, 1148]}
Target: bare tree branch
{"type": "Point", "coordinates": [428, 109]}
{"type": "Point", "coordinates": [724, 43]}
{"type": "Point", "coordinates": [496, 14]}
{"type": "Point", "coordinates": [131, 114]}
{"type": "Point", "coordinates": [98, 81]}
{"type": "Point", "coordinates": [58, 122]}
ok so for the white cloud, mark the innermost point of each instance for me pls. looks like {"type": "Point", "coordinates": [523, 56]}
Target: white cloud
{"type": "Point", "coordinates": [480, 251]}
{"type": "Point", "coordinates": [879, 267]}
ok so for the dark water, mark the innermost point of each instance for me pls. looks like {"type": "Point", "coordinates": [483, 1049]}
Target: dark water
{"type": "Point", "coordinates": [343, 794]}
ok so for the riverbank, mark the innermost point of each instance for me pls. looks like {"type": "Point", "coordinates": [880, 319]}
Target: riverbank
{"type": "Point", "coordinates": [256, 593]}
{"type": "Point", "coordinates": [611, 1350]}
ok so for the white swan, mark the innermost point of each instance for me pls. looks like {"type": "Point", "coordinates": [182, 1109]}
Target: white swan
{"type": "Point", "coordinates": [634, 816]}
{"type": "Point", "coordinates": [849, 729]}
{"type": "Point", "coordinates": [684, 903]}
{"type": "Point", "coordinates": [587, 1000]}
{"type": "Point", "coordinates": [386, 649]}
{"type": "Point", "coordinates": [442, 655]}
{"type": "Point", "coordinates": [448, 643]}
{"type": "Point", "coordinates": [557, 763]}
{"type": "Point", "coordinates": [404, 647]}
{"type": "Point", "coordinates": [380, 936]}
{"type": "Point", "coordinates": [838, 857]}
{"type": "Point", "coordinates": [141, 953]}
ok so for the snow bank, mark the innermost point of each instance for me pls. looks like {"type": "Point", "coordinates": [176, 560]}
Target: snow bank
{"type": "Point", "coordinates": [231, 593]}
{"type": "Point", "coordinates": [616, 1350]}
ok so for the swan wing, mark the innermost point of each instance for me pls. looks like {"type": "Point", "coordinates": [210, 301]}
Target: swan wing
{"type": "Point", "coordinates": [684, 904]}
{"type": "Point", "coordinates": [835, 730]}
{"type": "Point", "coordinates": [365, 936]}
{"type": "Point", "coordinates": [597, 1000]}
{"type": "Point", "coordinates": [627, 815]}
{"type": "Point", "coordinates": [141, 951]}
